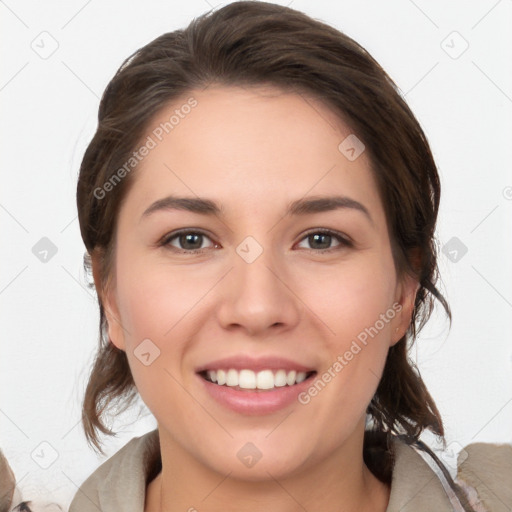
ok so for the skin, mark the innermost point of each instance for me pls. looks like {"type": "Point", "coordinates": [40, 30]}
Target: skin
{"type": "Point", "coordinates": [254, 150]}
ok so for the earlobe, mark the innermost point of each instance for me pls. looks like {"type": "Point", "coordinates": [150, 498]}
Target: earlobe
{"type": "Point", "coordinates": [106, 294]}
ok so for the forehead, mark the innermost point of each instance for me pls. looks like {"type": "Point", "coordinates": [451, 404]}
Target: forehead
{"type": "Point", "coordinates": [257, 147]}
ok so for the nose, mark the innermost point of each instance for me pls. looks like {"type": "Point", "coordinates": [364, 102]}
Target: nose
{"type": "Point", "coordinates": [258, 297]}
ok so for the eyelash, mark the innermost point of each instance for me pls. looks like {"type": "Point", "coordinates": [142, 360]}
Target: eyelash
{"type": "Point", "coordinates": [344, 242]}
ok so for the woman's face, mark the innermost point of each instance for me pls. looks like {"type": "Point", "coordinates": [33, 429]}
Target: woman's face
{"type": "Point", "coordinates": [269, 292]}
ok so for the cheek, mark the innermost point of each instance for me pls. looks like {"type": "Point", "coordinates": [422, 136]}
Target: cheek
{"type": "Point", "coordinates": [354, 308]}
{"type": "Point", "coordinates": [349, 298]}
{"type": "Point", "coordinates": [160, 303]}
{"type": "Point", "coordinates": [154, 310]}
{"type": "Point", "coordinates": [154, 298]}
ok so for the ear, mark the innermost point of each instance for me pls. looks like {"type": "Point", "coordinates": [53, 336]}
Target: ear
{"type": "Point", "coordinates": [405, 297]}
{"type": "Point", "coordinates": [106, 294]}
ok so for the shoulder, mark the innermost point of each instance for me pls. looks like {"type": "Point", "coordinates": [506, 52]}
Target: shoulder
{"type": "Point", "coordinates": [420, 482]}
{"type": "Point", "coordinates": [485, 473]}
{"type": "Point", "coordinates": [120, 482]}
{"type": "Point", "coordinates": [415, 486]}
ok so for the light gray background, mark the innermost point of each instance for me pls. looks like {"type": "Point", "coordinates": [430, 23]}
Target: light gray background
{"type": "Point", "coordinates": [463, 99]}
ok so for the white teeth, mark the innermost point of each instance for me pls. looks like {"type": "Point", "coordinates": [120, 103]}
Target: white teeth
{"type": "Point", "coordinates": [248, 379]}
{"type": "Point", "coordinates": [221, 377]}
{"type": "Point", "coordinates": [290, 378]}
{"type": "Point", "coordinates": [280, 379]}
{"type": "Point", "coordinates": [300, 377]}
{"type": "Point", "coordinates": [265, 379]}
{"type": "Point", "coordinates": [232, 378]}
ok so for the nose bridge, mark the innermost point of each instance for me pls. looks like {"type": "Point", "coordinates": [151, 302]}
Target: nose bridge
{"type": "Point", "coordinates": [256, 297]}
{"type": "Point", "coordinates": [255, 270]}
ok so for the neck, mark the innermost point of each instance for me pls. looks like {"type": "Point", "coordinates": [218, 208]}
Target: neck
{"type": "Point", "coordinates": [339, 482]}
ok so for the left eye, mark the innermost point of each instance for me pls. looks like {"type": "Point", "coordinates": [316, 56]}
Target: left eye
{"type": "Point", "coordinates": [324, 239]}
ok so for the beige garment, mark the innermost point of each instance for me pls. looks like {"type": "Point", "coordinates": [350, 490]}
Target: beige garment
{"type": "Point", "coordinates": [488, 469]}
{"type": "Point", "coordinates": [9, 493]}
{"type": "Point", "coordinates": [119, 484]}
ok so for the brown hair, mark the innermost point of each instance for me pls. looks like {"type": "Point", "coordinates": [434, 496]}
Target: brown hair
{"type": "Point", "coordinates": [257, 43]}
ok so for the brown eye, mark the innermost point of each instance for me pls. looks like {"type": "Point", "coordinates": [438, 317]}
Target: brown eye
{"type": "Point", "coordinates": [186, 241]}
{"type": "Point", "coordinates": [323, 241]}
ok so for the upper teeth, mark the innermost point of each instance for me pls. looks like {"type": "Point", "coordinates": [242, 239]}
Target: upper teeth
{"type": "Point", "coordinates": [247, 379]}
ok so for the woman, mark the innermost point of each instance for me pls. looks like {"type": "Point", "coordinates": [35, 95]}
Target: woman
{"type": "Point", "coordinates": [259, 205]}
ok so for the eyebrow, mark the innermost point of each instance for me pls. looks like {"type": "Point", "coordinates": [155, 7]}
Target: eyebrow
{"type": "Point", "coordinates": [303, 206]}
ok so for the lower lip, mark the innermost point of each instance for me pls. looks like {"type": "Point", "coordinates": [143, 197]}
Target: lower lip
{"type": "Point", "coordinates": [256, 402]}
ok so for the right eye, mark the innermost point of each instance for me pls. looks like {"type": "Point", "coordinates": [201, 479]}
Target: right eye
{"type": "Point", "coordinates": [190, 242]}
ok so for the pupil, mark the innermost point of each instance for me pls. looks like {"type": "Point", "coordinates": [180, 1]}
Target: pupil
{"type": "Point", "coordinates": [316, 237]}
{"type": "Point", "coordinates": [185, 239]}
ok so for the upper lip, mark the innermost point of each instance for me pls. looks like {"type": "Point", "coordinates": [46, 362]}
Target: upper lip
{"type": "Point", "coordinates": [242, 362]}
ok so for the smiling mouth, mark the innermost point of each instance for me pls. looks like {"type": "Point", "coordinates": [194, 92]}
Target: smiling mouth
{"type": "Point", "coordinates": [264, 380]}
